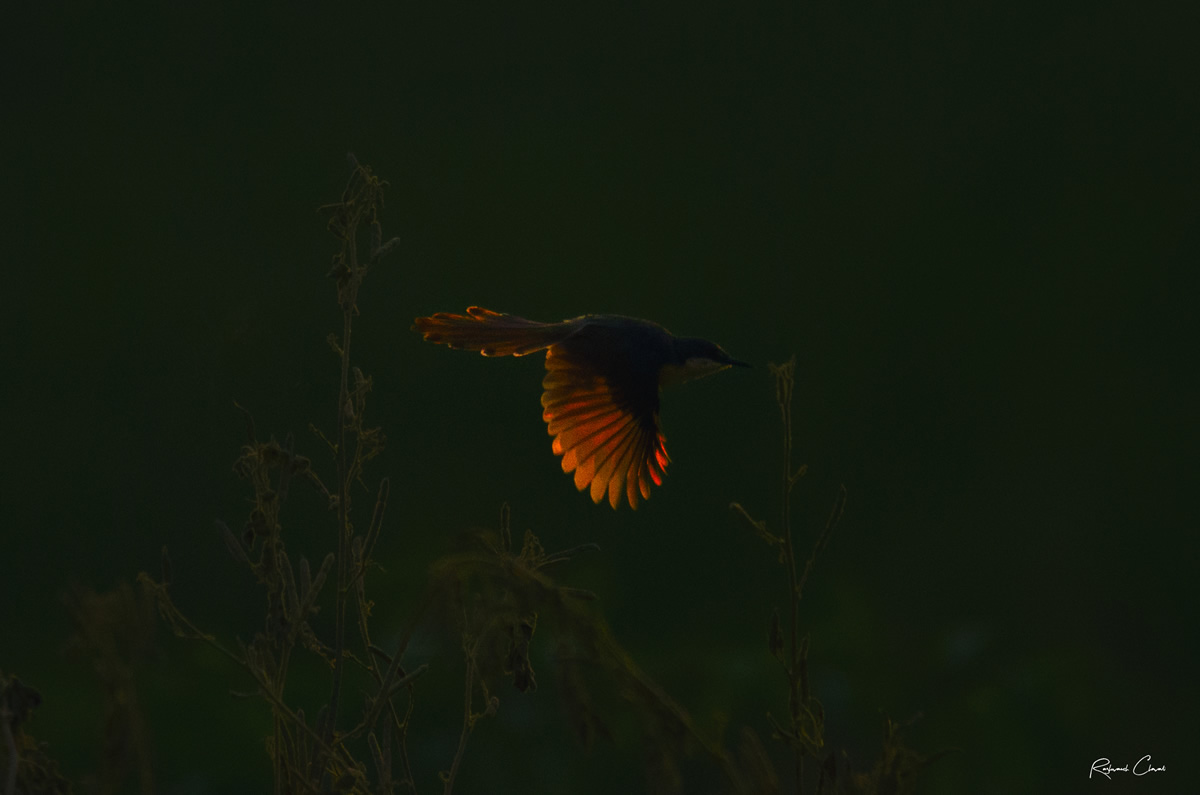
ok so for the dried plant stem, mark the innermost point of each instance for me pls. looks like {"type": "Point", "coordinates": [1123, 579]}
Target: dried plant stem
{"type": "Point", "coordinates": [469, 717]}
{"type": "Point", "coordinates": [360, 202]}
{"type": "Point", "coordinates": [797, 678]}
{"type": "Point", "coordinates": [314, 757]}
{"type": "Point", "coordinates": [343, 520]}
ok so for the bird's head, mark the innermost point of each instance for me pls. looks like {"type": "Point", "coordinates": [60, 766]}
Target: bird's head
{"type": "Point", "coordinates": [696, 358]}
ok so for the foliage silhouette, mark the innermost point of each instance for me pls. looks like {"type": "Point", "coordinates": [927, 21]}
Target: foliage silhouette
{"type": "Point", "coordinates": [804, 731]}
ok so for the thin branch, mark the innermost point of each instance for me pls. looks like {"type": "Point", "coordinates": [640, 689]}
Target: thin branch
{"type": "Point", "coordinates": [785, 377]}
{"type": "Point", "coordinates": [469, 717]}
{"type": "Point", "coordinates": [835, 516]}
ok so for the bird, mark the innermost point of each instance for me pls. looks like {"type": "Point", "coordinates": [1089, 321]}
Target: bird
{"type": "Point", "coordinates": [601, 390]}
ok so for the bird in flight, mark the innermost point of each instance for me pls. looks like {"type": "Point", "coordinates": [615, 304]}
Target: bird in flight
{"type": "Point", "coordinates": [603, 375]}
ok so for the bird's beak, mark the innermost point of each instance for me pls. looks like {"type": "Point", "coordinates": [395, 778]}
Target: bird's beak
{"type": "Point", "coordinates": [738, 363]}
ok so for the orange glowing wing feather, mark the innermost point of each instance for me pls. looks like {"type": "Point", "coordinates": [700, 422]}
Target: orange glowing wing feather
{"type": "Point", "coordinates": [603, 415]}
{"type": "Point", "coordinates": [613, 449]}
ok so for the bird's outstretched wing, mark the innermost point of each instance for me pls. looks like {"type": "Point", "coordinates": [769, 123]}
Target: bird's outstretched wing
{"type": "Point", "coordinates": [492, 333]}
{"type": "Point", "coordinates": [605, 428]}
{"type": "Point", "coordinates": [600, 402]}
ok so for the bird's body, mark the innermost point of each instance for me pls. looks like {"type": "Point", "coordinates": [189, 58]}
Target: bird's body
{"type": "Point", "coordinates": [602, 383]}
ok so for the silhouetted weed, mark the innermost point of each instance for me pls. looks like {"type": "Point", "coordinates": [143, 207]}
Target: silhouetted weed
{"type": "Point", "coordinates": [318, 754]}
{"type": "Point", "coordinates": [803, 732]}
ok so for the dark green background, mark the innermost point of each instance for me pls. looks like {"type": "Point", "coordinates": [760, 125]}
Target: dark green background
{"type": "Point", "coordinates": [967, 222]}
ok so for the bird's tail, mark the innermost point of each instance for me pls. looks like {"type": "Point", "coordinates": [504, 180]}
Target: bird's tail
{"type": "Point", "coordinates": [492, 333]}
